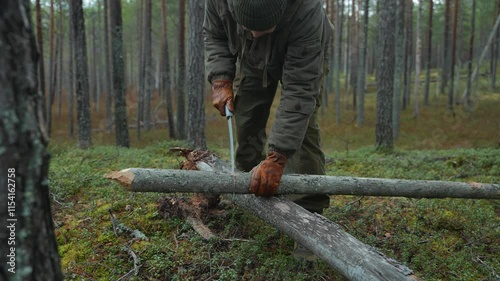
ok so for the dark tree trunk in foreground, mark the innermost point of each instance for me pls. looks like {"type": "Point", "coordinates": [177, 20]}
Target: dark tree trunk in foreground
{"type": "Point", "coordinates": [181, 99]}
{"type": "Point", "coordinates": [27, 241]}
{"type": "Point", "coordinates": [122, 138]}
{"type": "Point", "coordinates": [385, 75]}
{"type": "Point", "coordinates": [196, 76]}
{"type": "Point", "coordinates": [82, 79]}
{"type": "Point", "coordinates": [166, 80]}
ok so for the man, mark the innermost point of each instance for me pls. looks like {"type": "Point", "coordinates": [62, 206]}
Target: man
{"type": "Point", "coordinates": [256, 44]}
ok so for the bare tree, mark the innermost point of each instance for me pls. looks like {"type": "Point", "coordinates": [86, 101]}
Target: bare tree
{"type": "Point", "coordinates": [453, 57]}
{"type": "Point", "coordinates": [166, 82]}
{"type": "Point", "coordinates": [338, 52]}
{"type": "Point", "coordinates": [385, 75]}
{"type": "Point", "coordinates": [181, 100]}
{"type": "Point", "coordinates": [82, 79]}
{"type": "Point", "coordinates": [446, 38]}
{"type": "Point", "coordinates": [196, 76]}
{"type": "Point", "coordinates": [107, 68]}
{"type": "Point", "coordinates": [148, 67]}
{"type": "Point", "coordinates": [429, 53]}
{"type": "Point", "coordinates": [122, 138]}
{"type": "Point", "coordinates": [28, 244]}
{"type": "Point", "coordinates": [471, 53]}
{"type": "Point", "coordinates": [362, 66]}
{"type": "Point", "coordinates": [399, 66]}
{"type": "Point", "coordinates": [418, 52]}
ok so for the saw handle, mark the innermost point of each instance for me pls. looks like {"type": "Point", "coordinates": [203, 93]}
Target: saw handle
{"type": "Point", "coordinates": [229, 114]}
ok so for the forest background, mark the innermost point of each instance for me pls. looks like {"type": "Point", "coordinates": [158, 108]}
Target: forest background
{"type": "Point", "coordinates": [442, 127]}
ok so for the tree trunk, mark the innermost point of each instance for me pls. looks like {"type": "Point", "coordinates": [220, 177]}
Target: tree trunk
{"type": "Point", "coordinates": [338, 51]}
{"type": "Point", "coordinates": [471, 103]}
{"type": "Point", "coordinates": [418, 51]}
{"type": "Point", "coordinates": [353, 77]}
{"type": "Point", "coordinates": [453, 58]}
{"type": "Point", "coordinates": [446, 62]}
{"type": "Point", "coordinates": [51, 66]}
{"type": "Point", "coordinates": [408, 54]}
{"type": "Point", "coordinates": [121, 126]}
{"type": "Point", "coordinates": [71, 72]}
{"type": "Point", "coordinates": [471, 54]}
{"type": "Point", "coordinates": [343, 252]}
{"type": "Point", "coordinates": [60, 58]}
{"type": "Point", "coordinates": [107, 68]}
{"type": "Point", "coordinates": [140, 87]}
{"type": "Point", "coordinates": [429, 53]}
{"type": "Point", "coordinates": [39, 36]}
{"type": "Point", "coordinates": [93, 82]}
{"type": "Point", "coordinates": [494, 52]}
{"type": "Point", "coordinates": [362, 67]}
{"type": "Point", "coordinates": [196, 76]}
{"type": "Point", "coordinates": [181, 99]}
{"type": "Point", "coordinates": [27, 243]}
{"type": "Point", "coordinates": [399, 66]}
{"type": "Point", "coordinates": [166, 82]}
{"type": "Point", "coordinates": [82, 79]}
{"type": "Point", "coordinates": [149, 79]}
{"type": "Point", "coordinates": [385, 75]}
{"type": "Point", "coordinates": [53, 84]}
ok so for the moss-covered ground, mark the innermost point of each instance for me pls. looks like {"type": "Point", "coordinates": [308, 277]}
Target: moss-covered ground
{"type": "Point", "coordinates": [441, 239]}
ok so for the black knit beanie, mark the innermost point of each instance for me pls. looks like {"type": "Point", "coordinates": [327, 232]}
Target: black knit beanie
{"type": "Point", "coordinates": [258, 15]}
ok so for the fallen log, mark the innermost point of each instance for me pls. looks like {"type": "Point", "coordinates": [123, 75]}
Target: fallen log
{"type": "Point", "coordinates": [343, 252]}
{"type": "Point", "coordinates": [158, 180]}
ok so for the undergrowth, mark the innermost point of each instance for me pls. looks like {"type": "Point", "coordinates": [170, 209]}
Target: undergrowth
{"type": "Point", "coordinates": [440, 239]}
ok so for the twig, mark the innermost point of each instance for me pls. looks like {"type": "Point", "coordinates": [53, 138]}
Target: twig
{"type": "Point", "coordinates": [119, 228]}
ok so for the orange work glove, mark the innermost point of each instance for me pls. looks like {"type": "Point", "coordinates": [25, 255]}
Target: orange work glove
{"type": "Point", "coordinates": [222, 94]}
{"type": "Point", "coordinates": [267, 175]}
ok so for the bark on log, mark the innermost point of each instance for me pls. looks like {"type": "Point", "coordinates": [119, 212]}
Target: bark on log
{"type": "Point", "coordinates": [343, 252]}
{"type": "Point", "coordinates": [158, 180]}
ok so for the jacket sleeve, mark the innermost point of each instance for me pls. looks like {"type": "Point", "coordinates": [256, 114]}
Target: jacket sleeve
{"type": "Point", "coordinates": [301, 81]}
{"type": "Point", "coordinates": [220, 61]}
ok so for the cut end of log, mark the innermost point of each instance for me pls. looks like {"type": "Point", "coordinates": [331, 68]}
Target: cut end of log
{"type": "Point", "coordinates": [123, 177]}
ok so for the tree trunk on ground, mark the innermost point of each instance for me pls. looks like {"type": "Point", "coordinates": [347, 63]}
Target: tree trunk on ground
{"type": "Point", "coordinates": [149, 79]}
{"type": "Point", "coordinates": [27, 243]}
{"type": "Point", "coordinates": [82, 79]}
{"type": "Point", "coordinates": [385, 75]}
{"type": "Point", "coordinates": [399, 66]}
{"type": "Point", "coordinates": [327, 240]}
{"type": "Point", "coordinates": [171, 181]}
{"type": "Point", "coordinates": [418, 52]}
{"type": "Point", "coordinates": [121, 126]}
{"type": "Point", "coordinates": [429, 53]}
{"type": "Point", "coordinates": [166, 80]}
{"type": "Point", "coordinates": [362, 67]}
{"type": "Point", "coordinates": [471, 54]}
{"type": "Point", "coordinates": [107, 68]}
{"type": "Point", "coordinates": [39, 36]}
{"type": "Point", "coordinates": [453, 58]}
{"type": "Point", "coordinates": [196, 76]}
{"type": "Point", "coordinates": [181, 99]}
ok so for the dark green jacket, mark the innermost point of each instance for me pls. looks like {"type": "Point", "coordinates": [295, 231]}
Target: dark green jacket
{"type": "Point", "coordinates": [294, 54]}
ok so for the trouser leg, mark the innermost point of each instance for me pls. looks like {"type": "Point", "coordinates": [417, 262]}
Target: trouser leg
{"type": "Point", "coordinates": [252, 106]}
{"type": "Point", "coordinates": [309, 159]}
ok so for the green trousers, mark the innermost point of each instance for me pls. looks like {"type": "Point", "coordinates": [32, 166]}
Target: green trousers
{"type": "Point", "coordinates": [252, 107]}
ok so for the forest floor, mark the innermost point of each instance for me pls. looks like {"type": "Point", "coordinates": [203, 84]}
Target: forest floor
{"type": "Point", "coordinates": [440, 239]}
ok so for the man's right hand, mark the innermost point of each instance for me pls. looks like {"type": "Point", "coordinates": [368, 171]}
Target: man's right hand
{"type": "Point", "coordinates": [222, 95]}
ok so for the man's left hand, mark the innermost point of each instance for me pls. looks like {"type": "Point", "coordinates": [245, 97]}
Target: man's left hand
{"type": "Point", "coordinates": [266, 176]}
